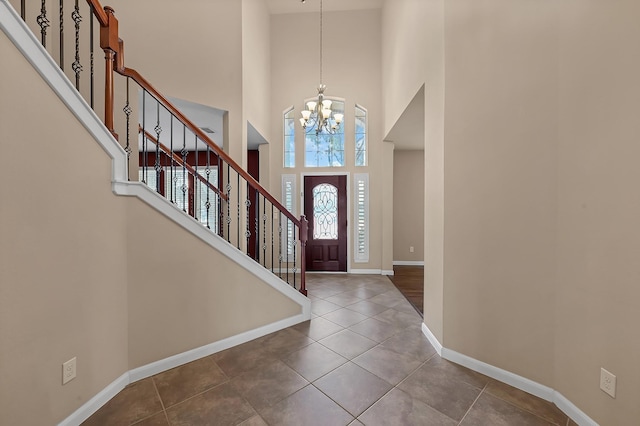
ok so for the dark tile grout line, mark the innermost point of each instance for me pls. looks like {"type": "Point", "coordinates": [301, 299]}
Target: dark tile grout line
{"type": "Point", "coordinates": [473, 403]}
{"type": "Point", "coordinates": [394, 387]}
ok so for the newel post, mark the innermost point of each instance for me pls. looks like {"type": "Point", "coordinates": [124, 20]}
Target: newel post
{"type": "Point", "coordinates": [304, 234]}
{"type": "Point", "coordinates": [110, 43]}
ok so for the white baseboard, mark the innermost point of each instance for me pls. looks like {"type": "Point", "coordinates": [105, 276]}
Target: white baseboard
{"type": "Point", "coordinates": [212, 348]}
{"type": "Point", "coordinates": [504, 376]}
{"type": "Point", "coordinates": [576, 414]}
{"type": "Point", "coordinates": [511, 379]}
{"type": "Point", "coordinates": [408, 263]}
{"type": "Point", "coordinates": [388, 272]}
{"type": "Point", "coordinates": [131, 376]}
{"type": "Point", "coordinates": [357, 272]}
{"type": "Point", "coordinates": [366, 271]}
{"type": "Point", "coordinates": [432, 339]}
{"type": "Point", "coordinates": [95, 403]}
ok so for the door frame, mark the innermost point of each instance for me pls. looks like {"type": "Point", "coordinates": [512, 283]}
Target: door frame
{"type": "Point", "coordinates": [348, 236]}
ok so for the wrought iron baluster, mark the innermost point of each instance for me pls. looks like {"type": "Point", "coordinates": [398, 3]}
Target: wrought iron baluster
{"type": "Point", "coordinates": [295, 269]}
{"type": "Point", "coordinates": [280, 245]}
{"type": "Point", "coordinates": [228, 203]}
{"type": "Point", "coordinates": [43, 22]}
{"type": "Point", "coordinates": [185, 178]}
{"type": "Point", "coordinates": [77, 66]}
{"type": "Point", "coordinates": [23, 12]}
{"type": "Point", "coordinates": [264, 232]}
{"type": "Point", "coordinates": [127, 111]}
{"type": "Point", "coordinates": [208, 173]}
{"type": "Point", "coordinates": [272, 246]}
{"type": "Point", "coordinates": [238, 211]}
{"type": "Point", "coordinates": [91, 83]}
{"type": "Point", "coordinates": [288, 242]}
{"type": "Point", "coordinates": [172, 164]}
{"type": "Point", "coordinates": [256, 230]}
{"type": "Point", "coordinates": [62, 35]}
{"type": "Point", "coordinates": [219, 198]}
{"type": "Point", "coordinates": [158, 130]}
{"type": "Point", "coordinates": [247, 204]}
{"type": "Point", "coordinates": [145, 158]}
{"type": "Point", "coordinates": [196, 193]}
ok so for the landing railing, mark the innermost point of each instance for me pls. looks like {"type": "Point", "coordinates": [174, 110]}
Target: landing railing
{"type": "Point", "coordinates": [165, 150]}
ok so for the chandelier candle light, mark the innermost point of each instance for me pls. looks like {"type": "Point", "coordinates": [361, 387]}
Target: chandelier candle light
{"type": "Point", "coordinates": [318, 116]}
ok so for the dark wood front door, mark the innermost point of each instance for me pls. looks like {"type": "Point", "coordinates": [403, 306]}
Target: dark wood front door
{"type": "Point", "coordinates": [325, 205]}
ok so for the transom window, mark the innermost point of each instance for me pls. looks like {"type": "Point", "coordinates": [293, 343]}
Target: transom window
{"type": "Point", "coordinates": [326, 148]}
{"type": "Point", "coordinates": [323, 149]}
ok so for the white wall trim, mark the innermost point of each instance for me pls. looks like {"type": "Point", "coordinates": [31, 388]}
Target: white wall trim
{"type": "Point", "coordinates": [94, 404]}
{"type": "Point", "coordinates": [210, 349]}
{"type": "Point", "coordinates": [165, 207]}
{"type": "Point", "coordinates": [388, 272]}
{"type": "Point", "coordinates": [504, 376]}
{"type": "Point", "coordinates": [25, 41]}
{"type": "Point", "coordinates": [174, 213]}
{"type": "Point", "coordinates": [511, 379]}
{"type": "Point", "coordinates": [408, 263]}
{"type": "Point", "coordinates": [576, 414]}
{"type": "Point", "coordinates": [131, 376]}
{"type": "Point", "coordinates": [366, 271]}
{"type": "Point", "coordinates": [432, 339]}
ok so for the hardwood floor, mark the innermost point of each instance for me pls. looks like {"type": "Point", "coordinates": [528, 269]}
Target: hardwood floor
{"type": "Point", "coordinates": [410, 281]}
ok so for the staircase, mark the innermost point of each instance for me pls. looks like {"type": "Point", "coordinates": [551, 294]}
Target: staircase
{"type": "Point", "coordinates": [128, 290]}
{"type": "Point", "coordinates": [165, 150]}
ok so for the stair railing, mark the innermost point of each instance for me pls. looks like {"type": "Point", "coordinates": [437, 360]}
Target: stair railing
{"type": "Point", "coordinates": [167, 151]}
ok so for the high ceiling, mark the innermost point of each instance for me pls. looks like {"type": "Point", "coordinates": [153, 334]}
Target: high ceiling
{"type": "Point", "coordinates": [296, 6]}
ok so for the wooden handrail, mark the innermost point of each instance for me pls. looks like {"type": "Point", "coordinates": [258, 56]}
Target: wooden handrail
{"type": "Point", "coordinates": [113, 47]}
{"type": "Point", "coordinates": [110, 41]}
{"type": "Point", "coordinates": [133, 74]}
{"type": "Point", "coordinates": [187, 166]}
{"type": "Point", "coordinates": [99, 12]}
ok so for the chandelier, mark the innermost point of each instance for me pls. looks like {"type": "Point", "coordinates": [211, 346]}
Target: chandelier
{"type": "Point", "coordinates": [318, 116]}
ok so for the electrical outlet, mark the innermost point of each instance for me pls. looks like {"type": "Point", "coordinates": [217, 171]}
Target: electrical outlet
{"type": "Point", "coordinates": [411, 250]}
{"type": "Point", "coordinates": [608, 382]}
{"type": "Point", "coordinates": [69, 371]}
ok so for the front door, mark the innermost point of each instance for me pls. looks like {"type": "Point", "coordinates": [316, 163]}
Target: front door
{"type": "Point", "coordinates": [325, 205]}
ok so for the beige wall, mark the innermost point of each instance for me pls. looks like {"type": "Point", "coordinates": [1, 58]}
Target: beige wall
{"type": "Point", "coordinates": [408, 205]}
{"type": "Point", "coordinates": [351, 70]}
{"type": "Point", "coordinates": [203, 64]}
{"type": "Point", "coordinates": [406, 70]}
{"type": "Point", "coordinates": [598, 207]}
{"type": "Point", "coordinates": [84, 273]}
{"type": "Point", "coordinates": [256, 65]}
{"type": "Point", "coordinates": [539, 172]}
{"type": "Point", "coordinates": [500, 183]}
{"type": "Point", "coordinates": [183, 294]}
{"type": "Point", "coordinates": [63, 267]}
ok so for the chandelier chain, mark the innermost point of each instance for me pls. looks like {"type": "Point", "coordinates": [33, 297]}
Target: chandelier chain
{"type": "Point", "coordinates": [320, 41]}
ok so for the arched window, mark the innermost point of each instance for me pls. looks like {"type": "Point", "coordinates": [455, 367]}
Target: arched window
{"type": "Point", "coordinates": [361, 136]}
{"type": "Point", "coordinates": [323, 149]}
{"type": "Point", "coordinates": [289, 139]}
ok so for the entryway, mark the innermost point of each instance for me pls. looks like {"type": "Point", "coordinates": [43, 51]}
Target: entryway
{"type": "Point", "coordinates": [325, 205]}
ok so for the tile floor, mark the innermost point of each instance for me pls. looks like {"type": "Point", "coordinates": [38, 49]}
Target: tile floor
{"type": "Point", "coordinates": [362, 359]}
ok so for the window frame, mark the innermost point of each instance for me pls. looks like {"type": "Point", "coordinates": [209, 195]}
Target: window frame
{"type": "Point", "coordinates": [365, 135]}
{"type": "Point", "coordinates": [342, 133]}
